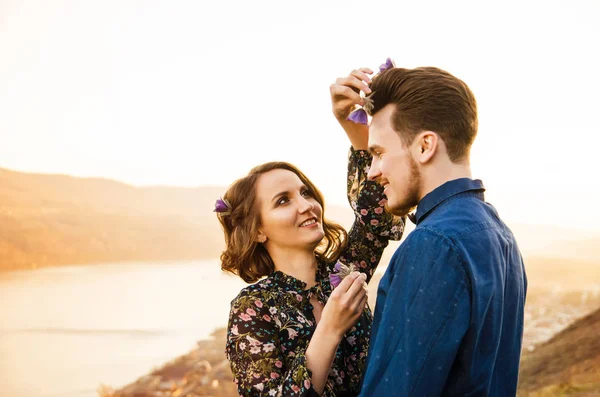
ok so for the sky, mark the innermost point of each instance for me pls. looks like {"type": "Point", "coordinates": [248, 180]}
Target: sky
{"type": "Point", "coordinates": [189, 93]}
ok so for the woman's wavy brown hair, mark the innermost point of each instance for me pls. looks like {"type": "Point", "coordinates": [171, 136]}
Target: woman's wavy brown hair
{"type": "Point", "coordinates": [243, 255]}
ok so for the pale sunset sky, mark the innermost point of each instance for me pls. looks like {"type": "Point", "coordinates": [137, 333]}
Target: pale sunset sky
{"type": "Point", "coordinates": [191, 93]}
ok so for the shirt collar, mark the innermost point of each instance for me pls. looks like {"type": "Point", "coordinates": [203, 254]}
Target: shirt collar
{"type": "Point", "coordinates": [287, 282]}
{"type": "Point", "coordinates": [444, 192]}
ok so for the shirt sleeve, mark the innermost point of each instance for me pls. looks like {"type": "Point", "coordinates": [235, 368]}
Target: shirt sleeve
{"type": "Point", "coordinates": [373, 226]}
{"type": "Point", "coordinates": [425, 317]}
{"type": "Point", "coordinates": [255, 354]}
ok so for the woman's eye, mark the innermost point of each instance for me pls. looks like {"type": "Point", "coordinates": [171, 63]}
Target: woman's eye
{"type": "Point", "coordinates": [307, 193]}
{"type": "Point", "coordinates": [282, 201]}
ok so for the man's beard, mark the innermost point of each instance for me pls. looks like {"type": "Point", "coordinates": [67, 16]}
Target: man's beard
{"type": "Point", "coordinates": [412, 199]}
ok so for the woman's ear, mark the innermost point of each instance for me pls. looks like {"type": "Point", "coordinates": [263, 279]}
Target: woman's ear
{"type": "Point", "coordinates": [261, 238]}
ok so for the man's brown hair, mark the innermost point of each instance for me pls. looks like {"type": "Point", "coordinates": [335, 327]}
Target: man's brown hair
{"type": "Point", "coordinates": [428, 99]}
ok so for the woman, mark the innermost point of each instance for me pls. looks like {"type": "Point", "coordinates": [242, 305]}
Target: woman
{"type": "Point", "coordinates": [292, 333]}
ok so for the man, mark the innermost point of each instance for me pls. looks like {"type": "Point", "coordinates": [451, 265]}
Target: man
{"type": "Point", "coordinates": [449, 314]}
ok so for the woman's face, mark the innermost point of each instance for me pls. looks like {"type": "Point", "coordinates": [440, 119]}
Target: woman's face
{"type": "Point", "coordinates": [290, 216]}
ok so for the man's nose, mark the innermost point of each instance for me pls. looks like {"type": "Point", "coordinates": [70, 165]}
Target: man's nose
{"type": "Point", "coordinates": [374, 171]}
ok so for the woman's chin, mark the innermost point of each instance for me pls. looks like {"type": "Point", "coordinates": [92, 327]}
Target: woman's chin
{"type": "Point", "coordinates": [318, 237]}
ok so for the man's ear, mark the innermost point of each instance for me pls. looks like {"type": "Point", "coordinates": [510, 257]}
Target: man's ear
{"type": "Point", "coordinates": [425, 146]}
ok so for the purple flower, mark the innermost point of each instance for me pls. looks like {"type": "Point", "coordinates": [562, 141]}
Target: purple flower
{"type": "Point", "coordinates": [359, 116]}
{"type": "Point", "coordinates": [341, 272]}
{"type": "Point", "coordinates": [387, 65]}
{"type": "Point", "coordinates": [335, 279]}
{"type": "Point", "coordinates": [222, 206]}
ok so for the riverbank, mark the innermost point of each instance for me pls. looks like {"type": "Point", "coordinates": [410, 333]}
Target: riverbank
{"type": "Point", "coordinates": [202, 372]}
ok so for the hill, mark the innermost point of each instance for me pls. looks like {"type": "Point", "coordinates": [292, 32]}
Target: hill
{"type": "Point", "coordinates": [56, 219]}
{"type": "Point", "coordinates": [566, 365]}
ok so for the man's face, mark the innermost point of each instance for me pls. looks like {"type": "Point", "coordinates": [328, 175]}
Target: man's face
{"type": "Point", "coordinates": [393, 165]}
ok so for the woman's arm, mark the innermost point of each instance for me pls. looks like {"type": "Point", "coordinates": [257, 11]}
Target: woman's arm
{"type": "Point", "coordinates": [256, 356]}
{"type": "Point", "coordinates": [373, 227]}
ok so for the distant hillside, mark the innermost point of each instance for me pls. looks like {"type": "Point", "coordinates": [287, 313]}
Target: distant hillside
{"type": "Point", "coordinates": [56, 219]}
{"type": "Point", "coordinates": [552, 241]}
{"type": "Point", "coordinates": [566, 365]}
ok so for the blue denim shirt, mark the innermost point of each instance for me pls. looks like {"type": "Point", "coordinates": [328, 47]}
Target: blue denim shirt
{"type": "Point", "coordinates": [449, 313]}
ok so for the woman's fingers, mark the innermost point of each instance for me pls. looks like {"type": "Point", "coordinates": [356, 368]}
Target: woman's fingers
{"type": "Point", "coordinates": [355, 83]}
{"type": "Point", "coordinates": [341, 92]}
{"type": "Point", "coordinates": [356, 291]}
{"type": "Point", "coordinates": [346, 284]}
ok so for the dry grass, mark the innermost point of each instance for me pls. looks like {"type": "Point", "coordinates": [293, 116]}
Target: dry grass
{"type": "Point", "coordinates": [566, 365]}
{"type": "Point", "coordinates": [562, 329]}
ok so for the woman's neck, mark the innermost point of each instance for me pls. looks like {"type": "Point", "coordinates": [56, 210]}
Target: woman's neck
{"type": "Point", "coordinates": [301, 265]}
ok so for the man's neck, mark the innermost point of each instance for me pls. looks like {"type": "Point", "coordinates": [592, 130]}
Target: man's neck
{"type": "Point", "coordinates": [437, 177]}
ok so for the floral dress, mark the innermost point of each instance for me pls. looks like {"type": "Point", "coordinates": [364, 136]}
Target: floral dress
{"type": "Point", "coordinates": [271, 322]}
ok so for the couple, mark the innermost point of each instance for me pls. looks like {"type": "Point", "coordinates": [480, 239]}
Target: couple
{"type": "Point", "coordinates": [449, 314]}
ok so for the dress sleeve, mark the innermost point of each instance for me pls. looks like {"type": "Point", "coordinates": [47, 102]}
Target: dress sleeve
{"type": "Point", "coordinates": [255, 354]}
{"type": "Point", "coordinates": [373, 226]}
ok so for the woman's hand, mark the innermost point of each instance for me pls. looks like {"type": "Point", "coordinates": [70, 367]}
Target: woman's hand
{"type": "Point", "coordinates": [345, 305]}
{"type": "Point", "coordinates": [345, 95]}
{"type": "Point", "coordinates": [345, 92]}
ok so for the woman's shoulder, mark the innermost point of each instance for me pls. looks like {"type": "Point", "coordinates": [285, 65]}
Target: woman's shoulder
{"type": "Point", "coordinates": [260, 291]}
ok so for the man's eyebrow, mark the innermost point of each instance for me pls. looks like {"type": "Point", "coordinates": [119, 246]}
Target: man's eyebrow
{"type": "Point", "coordinates": [374, 148]}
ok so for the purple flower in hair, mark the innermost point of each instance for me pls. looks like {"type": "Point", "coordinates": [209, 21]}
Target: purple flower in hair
{"type": "Point", "coordinates": [387, 65]}
{"type": "Point", "coordinates": [359, 116]}
{"type": "Point", "coordinates": [341, 272]}
{"type": "Point", "coordinates": [222, 206]}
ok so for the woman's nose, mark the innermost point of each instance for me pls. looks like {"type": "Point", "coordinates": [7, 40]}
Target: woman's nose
{"type": "Point", "coordinates": [305, 205]}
